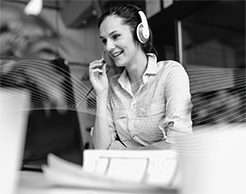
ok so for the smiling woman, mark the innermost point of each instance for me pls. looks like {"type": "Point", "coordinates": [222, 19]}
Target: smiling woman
{"type": "Point", "coordinates": [149, 103]}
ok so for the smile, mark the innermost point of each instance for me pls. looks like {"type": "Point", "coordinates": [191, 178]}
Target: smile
{"type": "Point", "coordinates": [116, 54]}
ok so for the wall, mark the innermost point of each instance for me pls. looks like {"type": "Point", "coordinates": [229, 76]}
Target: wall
{"type": "Point", "coordinates": [82, 45]}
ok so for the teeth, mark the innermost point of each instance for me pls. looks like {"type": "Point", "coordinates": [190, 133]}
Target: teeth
{"type": "Point", "coordinates": [117, 54]}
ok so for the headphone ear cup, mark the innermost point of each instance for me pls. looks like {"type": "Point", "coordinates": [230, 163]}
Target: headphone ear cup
{"type": "Point", "coordinates": [140, 34]}
{"type": "Point", "coordinates": [143, 29]}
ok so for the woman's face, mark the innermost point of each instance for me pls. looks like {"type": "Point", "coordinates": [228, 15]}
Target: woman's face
{"type": "Point", "coordinates": [118, 41]}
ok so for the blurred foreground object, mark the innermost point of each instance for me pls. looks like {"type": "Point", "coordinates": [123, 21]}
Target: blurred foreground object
{"type": "Point", "coordinates": [144, 171]}
{"type": "Point", "coordinates": [213, 159]}
{"type": "Point", "coordinates": [14, 106]}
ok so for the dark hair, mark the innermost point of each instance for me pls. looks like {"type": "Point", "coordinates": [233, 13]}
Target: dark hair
{"type": "Point", "coordinates": [129, 14]}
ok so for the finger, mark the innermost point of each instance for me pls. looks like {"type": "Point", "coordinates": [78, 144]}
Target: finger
{"type": "Point", "coordinates": [96, 64]}
{"type": "Point", "coordinates": [104, 69]}
{"type": "Point", "coordinates": [95, 72]}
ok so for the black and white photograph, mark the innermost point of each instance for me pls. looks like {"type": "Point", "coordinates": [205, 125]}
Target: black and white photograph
{"type": "Point", "coordinates": [122, 97]}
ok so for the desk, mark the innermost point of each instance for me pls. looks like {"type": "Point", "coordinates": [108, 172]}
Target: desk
{"type": "Point", "coordinates": [32, 183]}
{"type": "Point", "coordinates": [35, 183]}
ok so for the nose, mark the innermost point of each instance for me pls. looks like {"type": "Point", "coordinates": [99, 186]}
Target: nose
{"type": "Point", "coordinates": [110, 45]}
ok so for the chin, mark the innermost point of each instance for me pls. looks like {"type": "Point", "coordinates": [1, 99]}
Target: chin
{"type": "Point", "coordinates": [120, 64]}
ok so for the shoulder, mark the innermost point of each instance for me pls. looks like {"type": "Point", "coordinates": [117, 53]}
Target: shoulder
{"type": "Point", "coordinates": [168, 67]}
{"type": "Point", "coordinates": [169, 64]}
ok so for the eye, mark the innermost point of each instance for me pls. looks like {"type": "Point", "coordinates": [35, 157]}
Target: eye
{"type": "Point", "coordinates": [104, 41]}
{"type": "Point", "coordinates": [115, 36]}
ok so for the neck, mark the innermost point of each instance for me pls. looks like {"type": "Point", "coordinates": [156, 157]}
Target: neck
{"type": "Point", "coordinates": [137, 68]}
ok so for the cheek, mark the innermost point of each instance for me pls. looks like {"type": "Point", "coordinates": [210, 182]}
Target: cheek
{"type": "Point", "coordinates": [132, 49]}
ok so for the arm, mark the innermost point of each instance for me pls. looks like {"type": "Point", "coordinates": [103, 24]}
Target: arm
{"type": "Point", "coordinates": [177, 120]}
{"type": "Point", "coordinates": [178, 106]}
{"type": "Point", "coordinates": [101, 137]}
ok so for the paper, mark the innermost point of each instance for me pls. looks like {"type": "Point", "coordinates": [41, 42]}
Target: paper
{"type": "Point", "coordinates": [150, 171]}
{"type": "Point", "coordinates": [150, 166]}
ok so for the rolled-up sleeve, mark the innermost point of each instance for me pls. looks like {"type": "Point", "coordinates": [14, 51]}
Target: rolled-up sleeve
{"type": "Point", "coordinates": [177, 121]}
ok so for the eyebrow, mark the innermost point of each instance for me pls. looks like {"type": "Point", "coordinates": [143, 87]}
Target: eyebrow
{"type": "Point", "coordinates": [109, 34]}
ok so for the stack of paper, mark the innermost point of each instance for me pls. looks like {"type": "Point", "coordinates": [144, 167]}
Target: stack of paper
{"type": "Point", "coordinates": [150, 171]}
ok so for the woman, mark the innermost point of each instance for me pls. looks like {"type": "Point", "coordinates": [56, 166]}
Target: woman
{"type": "Point", "coordinates": [149, 103]}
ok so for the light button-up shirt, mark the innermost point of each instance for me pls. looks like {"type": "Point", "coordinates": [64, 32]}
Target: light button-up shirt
{"type": "Point", "coordinates": [160, 109]}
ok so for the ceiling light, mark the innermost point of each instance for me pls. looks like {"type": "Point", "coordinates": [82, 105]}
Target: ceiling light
{"type": "Point", "coordinates": [34, 7]}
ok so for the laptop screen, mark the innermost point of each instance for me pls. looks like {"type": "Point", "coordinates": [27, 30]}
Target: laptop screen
{"type": "Point", "coordinates": [52, 124]}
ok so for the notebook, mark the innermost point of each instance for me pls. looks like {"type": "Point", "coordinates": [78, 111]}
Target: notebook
{"type": "Point", "coordinates": [14, 108]}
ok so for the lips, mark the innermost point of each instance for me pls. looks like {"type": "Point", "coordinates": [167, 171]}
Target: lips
{"type": "Point", "coordinates": [116, 54]}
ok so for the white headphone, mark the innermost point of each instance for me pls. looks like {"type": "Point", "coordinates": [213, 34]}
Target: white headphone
{"type": "Point", "coordinates": [143, 29]}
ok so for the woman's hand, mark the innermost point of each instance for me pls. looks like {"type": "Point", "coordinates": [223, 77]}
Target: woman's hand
{"type": "Point", "coordinates": [98, 76]}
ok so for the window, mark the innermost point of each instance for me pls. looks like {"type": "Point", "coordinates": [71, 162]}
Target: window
{"type": "Point", "coordinates": [215, 36]}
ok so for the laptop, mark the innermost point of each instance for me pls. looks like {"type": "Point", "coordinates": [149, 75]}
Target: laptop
{"type": "Point", "coordinates": [14, 108]}
{"type": "Point", "coordinates": [53, 124]}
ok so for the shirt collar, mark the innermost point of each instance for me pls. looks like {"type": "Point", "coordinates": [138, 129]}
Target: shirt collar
{"type": "Point", "coordinates": [123, 79]}
{"type": "Point", "coordinates": [151, 69]}
{"type": "Point", "coordinates": [152, 64]}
